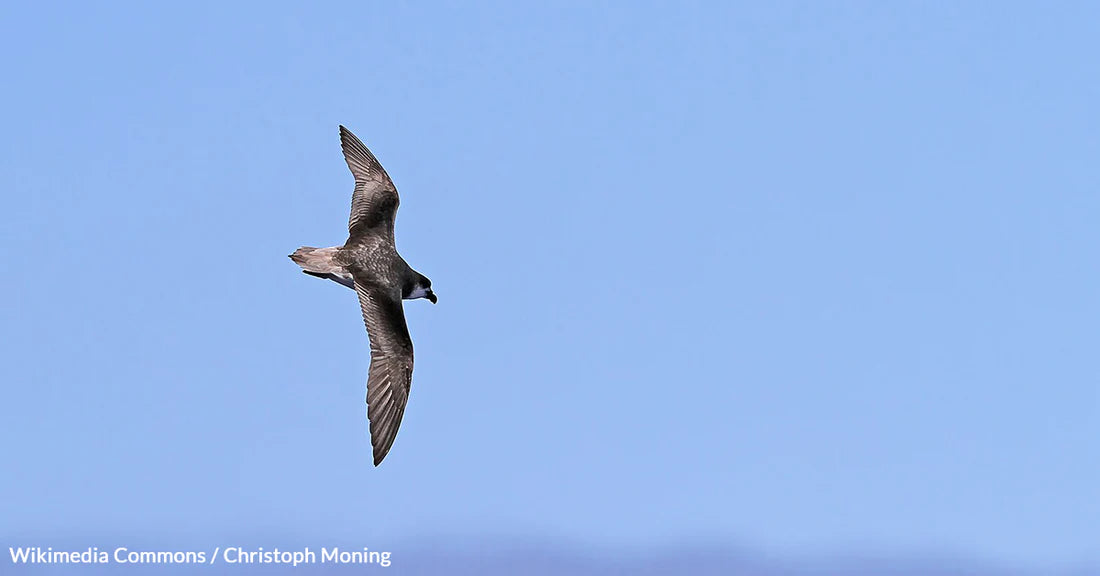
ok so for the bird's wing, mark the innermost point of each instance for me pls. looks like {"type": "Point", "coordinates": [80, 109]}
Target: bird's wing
{"type": "Point", "coordinates": [374, 202]}
{"type": "Point", "coordinates": [391, 364]}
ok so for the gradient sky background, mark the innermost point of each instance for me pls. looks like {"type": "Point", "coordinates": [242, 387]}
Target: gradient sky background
{"type": "Point", "coordinates": [798, 277]}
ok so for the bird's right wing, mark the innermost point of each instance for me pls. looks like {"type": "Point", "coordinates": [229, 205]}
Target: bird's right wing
{"type": "Point", "coordinates": [374, 202]}
{"type": "Point", "coordinates": [391, 364]}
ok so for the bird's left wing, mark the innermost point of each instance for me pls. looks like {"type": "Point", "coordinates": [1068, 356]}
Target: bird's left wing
{"type": "Point", "coordinates": [374, 201]}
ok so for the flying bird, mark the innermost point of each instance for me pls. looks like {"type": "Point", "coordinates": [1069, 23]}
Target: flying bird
{"type": "Point", "coordinates": [369, 264]}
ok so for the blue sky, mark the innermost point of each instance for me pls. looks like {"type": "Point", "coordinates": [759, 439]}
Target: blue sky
{"type": "Point", "coordinates": [799, 277]}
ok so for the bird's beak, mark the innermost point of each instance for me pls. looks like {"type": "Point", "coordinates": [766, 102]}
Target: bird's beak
{"type": "Point", "coordinates": [431, 296]}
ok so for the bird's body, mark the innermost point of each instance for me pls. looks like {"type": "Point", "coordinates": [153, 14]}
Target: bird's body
{"type": "Point", "coordinates": [369, 264]}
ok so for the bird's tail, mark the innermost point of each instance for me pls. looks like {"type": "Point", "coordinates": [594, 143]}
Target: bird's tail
{"type": "Point", "coordinates": [320, 262]}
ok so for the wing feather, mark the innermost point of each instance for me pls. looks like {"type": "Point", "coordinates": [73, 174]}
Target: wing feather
{"type": "Point", "coordinates": [374, 202]}
{"type": "Point", "coordinates": [391, 364]}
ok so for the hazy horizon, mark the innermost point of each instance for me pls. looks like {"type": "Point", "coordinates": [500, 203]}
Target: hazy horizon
{"type": "Point", "coordinates": [496, 554]}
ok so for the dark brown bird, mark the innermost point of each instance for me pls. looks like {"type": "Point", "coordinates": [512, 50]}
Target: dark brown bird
{"type": "Point", "coordinates": [369, 264]}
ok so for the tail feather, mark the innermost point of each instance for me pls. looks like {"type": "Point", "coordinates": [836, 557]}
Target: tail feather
{"type": "Point", "coordinates": [319, 262]}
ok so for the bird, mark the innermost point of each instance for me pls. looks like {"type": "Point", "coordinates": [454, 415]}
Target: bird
{"type": "Point", "coordinates": [369, 264]}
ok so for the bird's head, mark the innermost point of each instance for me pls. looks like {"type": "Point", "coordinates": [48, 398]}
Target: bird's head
{"type": "Point", "coordinates": [421, 288]}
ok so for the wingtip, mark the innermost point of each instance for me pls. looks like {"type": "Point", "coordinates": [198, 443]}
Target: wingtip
{"type": "Point", "coordinates": [349, 142]}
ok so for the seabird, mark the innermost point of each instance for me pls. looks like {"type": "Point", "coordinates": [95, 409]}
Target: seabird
{"type": "Point", "coordinates": [369, 264]}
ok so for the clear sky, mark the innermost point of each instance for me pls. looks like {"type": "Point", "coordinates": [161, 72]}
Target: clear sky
{"type": "Point", "coordinates": [799, 277]}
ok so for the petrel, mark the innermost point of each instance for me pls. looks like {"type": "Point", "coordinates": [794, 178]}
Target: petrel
{"type": "Point", "coordinates": [369, 264]}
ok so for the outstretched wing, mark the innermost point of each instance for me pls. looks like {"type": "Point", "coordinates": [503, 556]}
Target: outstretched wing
{"type": "Point", "coordinates": [391, 364]}
{"type": "Point", "coordinates": [374, 202]}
